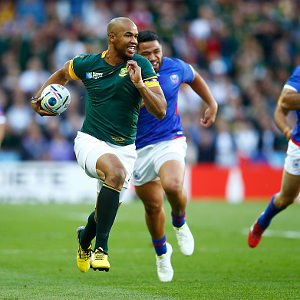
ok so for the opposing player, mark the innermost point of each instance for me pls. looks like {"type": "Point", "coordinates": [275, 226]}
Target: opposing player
{"type": "Point", "coordinates": [290, 184]}
{"type": "Point", "coordinates": [116, 80]}
{"type": "Point", "coordinates": [161, 148]}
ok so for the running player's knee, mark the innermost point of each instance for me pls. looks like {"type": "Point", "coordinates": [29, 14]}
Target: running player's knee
{"type": "Point", "coordinates": [116, 177]}
{"type": "Point", "coordinates": [172, 186]}
{"type": "Point", "coordinates": [152, 209]}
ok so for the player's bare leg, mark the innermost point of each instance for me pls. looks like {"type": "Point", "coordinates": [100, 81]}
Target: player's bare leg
{"type": "Point", "coordinates": [290, 189]}
{"type": "Point", "coordinates": [171, 174]}
{"type": "Point", "coordinates": [152, 196]}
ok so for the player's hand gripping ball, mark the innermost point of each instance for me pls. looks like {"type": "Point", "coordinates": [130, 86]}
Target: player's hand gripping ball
{"type": "Point", "coordinates": [55, 98]}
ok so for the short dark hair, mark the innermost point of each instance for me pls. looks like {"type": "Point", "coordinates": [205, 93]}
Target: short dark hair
{"type": "Point", "coordinates": [147, 36]}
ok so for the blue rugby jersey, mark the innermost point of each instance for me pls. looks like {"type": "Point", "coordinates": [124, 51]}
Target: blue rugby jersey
{"type": "Point", "coordinates": [294, 83]}
{"type": "Point", "coordinates": [150, 130]}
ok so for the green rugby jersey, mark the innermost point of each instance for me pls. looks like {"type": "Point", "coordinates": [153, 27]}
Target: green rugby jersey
{"type": "Point", "coordinates": [112, 102]}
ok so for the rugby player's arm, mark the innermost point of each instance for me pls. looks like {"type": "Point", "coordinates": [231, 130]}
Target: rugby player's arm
{"type": "Point", "coordinates": [153, 96]}
{"type": "Point", "coordinates": [210, 107]}
{"type": "Point", "coordinates": [289, 99]}
{"type": "Point", "coordinates": [61, 76]}
{"type": "Point", "coordinates": [281, 112]}
{"type": "Point", "coordinates": [154, 100]}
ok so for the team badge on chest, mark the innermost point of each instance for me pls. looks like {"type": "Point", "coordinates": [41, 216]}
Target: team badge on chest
{"type": "Point", "coordinates": [123, 72]}
{"type": "Point", "coordinates": [174, 78]}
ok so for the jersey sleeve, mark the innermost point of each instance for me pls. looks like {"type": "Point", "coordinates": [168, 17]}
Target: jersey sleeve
{"type": "Point", "coordinates": [293, 82]}
{"type": "Point", "coordinates": [148, 74]}
{"type": "Point", "coordinates": [187, 71]}
{"type": "Point", "coordinates": [78, 67]}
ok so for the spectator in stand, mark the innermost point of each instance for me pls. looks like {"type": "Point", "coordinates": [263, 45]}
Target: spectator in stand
{"type": "Point", "coordinates": [33, 77]}
{"type": "Point", "coordinates": [19, 115]}
{"type": "Point", "coordinates": [34, 143]}
{"type": "Point", "coordinates": [33, 9]}
{"type": "Point", "coordinates": [247, 50]}
{"type": "Point", "coordinates": [68, 47]}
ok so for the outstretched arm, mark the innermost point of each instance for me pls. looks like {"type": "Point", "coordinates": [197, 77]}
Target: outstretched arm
{"type": "Point", "coordinates": [153, 97]}
{"type": "Point", "coordinates": [211, 107]}
{"type": "Point", "coordinates": [62, 77]}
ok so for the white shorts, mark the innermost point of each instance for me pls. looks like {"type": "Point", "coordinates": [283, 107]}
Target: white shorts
{"type": "Point", "coordinates": [152, 157]}
{"type": "Point", "coordinates": [292, 160]}
{"type": "Point", "coordinates": [88, 149]}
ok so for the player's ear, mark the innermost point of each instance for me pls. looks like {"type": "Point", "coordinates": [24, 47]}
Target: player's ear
{"type": "Point", "coordinates": [111, 37]}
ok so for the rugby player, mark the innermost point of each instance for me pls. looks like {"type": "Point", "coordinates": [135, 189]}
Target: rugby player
{"type": "Point", "coordinates": [289, 100]}
{"type": "Point", "coordinates": [161, 148]}
{"type": "Point", "coordinates": [116, 81]}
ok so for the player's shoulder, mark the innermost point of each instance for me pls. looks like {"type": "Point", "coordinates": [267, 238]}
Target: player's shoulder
{"type": "Point", "coordinates": [174, 63]}
{"type": "Point", "coordinates": [175, 60]}
{"type": "Point", "coordinates": [87, 57]}
{"type": "Point", "coordinates": [171, 60]}
{"type": "Point", "coordinates": [140, 59]}
{"type": "Point", "coordinates": [296, 71]}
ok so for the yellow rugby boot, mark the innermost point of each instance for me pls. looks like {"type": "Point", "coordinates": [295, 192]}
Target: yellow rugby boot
{"type": "Point", "coordinates": [83, 255]}
{"type": "Point", "coordinates": [100, 260]}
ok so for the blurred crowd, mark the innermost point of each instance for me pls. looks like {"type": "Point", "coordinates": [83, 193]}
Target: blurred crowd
{"type": "Point", "coordinates": [245, 50]}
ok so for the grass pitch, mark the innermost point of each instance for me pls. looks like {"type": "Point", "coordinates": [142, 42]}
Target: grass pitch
{"type": "Point", "coordinates": [38, 255]}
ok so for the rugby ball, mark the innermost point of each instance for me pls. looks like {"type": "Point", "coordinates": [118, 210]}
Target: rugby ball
{"type": "Point", "coordinates": [55, 98]}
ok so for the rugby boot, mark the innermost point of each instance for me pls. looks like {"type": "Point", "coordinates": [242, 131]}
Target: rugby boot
{"type": "Point", "coordinates": [83, 255]}
{"type": "Point", "coordinates": [185, 239]}
{"type": "Point", "coordinates": [100, 260]}
{"type": "Point", "coordinates": [164, 268]}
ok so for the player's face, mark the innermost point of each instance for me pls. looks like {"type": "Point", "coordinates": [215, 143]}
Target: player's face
{"type": "Point", "coordinates": [126, 41]}
{"type": "Point", "coordinates": [153, 52]}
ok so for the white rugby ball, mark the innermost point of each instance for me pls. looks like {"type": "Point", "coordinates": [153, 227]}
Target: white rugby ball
{"type": "Point", "coordinates": [55, 98]}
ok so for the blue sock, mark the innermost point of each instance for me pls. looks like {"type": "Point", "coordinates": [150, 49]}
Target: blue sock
{"type": "Point", "coordinates": [160, 246]}
{"type": "Point", "coordinates": [266, 218]}
{"type": "Point", "coordinates": [178, 221]}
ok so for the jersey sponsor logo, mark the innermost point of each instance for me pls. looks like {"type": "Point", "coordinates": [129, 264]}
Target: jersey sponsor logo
{"type": "Point", "coordinates": [118, 139]}
{"type": "Point", "coordinates": [174, 78]}
{"type": "Point", "coordinates": [123, 72]}
{"type": "Point", "coordinates": [95, 75]}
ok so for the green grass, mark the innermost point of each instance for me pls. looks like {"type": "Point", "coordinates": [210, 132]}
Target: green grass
{"type": "Point", "coordinates": [38, 255]}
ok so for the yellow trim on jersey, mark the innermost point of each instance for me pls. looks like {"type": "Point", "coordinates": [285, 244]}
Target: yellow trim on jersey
{"type": "Point", "coordinates": [103, 54]}
{"type": "Point", "coordinates": [72, 72]}
{"type": "Point", "coordinates": [150, 84]}
{"type": "Point", "coordinates": [279, 99]}
{"type": "Point", "coordinates": [110, 187]}
{"type": "Point", "coordinates": [150, 78]}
